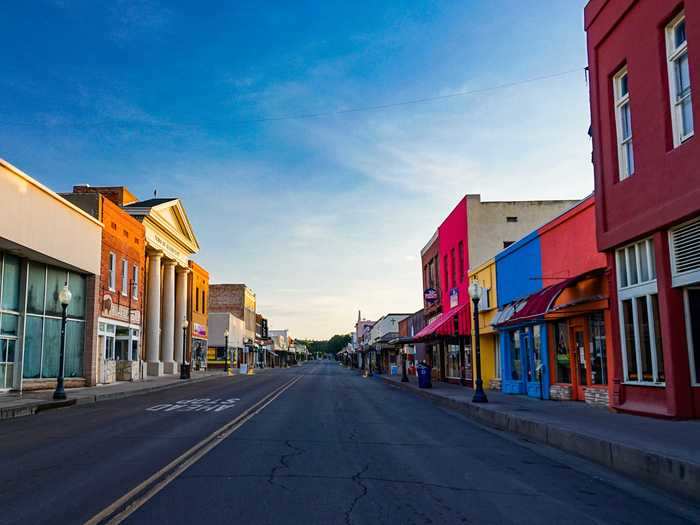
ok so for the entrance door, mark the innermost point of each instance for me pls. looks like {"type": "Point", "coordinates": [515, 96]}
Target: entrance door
{"type": "Point", "coordinates": [580, 359]}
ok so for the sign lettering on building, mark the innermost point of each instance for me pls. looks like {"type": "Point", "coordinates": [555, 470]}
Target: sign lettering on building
{"type": "Point", "coordinates": [454, 297]}
{"type": "Point", "coordinates": [119, 312]}
{"type": "Point", "coordinates": [199, 330]}
{"type": "Point", "coordinates": [158, 242]}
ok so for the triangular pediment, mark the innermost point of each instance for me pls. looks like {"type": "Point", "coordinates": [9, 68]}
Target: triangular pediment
{"type": "Point", "coordinates": [172, 218]}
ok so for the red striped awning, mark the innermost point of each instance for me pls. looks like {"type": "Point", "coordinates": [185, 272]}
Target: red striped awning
{"type": "Point", "coordinates": [442, 325]}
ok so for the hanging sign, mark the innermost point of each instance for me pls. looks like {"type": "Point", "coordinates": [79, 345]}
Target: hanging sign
{"type": "Point", "coordinates": [430, 295]}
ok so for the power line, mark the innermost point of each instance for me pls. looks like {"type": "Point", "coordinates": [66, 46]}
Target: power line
{"type": "Point", "coordinates": [359, 109]}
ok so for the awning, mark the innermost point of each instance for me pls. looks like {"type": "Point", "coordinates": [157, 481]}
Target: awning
{"type": "Point", "coordinates": [536, 305]}
{"type": "Point", "coordinates": [442, 325]}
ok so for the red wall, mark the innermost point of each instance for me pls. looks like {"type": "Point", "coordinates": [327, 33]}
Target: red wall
{"type": "Point", "coordinates": [665, 187]}
{"type": "Point", "coordinates": [568, 244]}
{"type": "Point", "coordinates": [453, 230]}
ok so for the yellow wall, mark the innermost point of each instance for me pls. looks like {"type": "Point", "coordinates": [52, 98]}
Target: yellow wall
{"type": "Point", "coordinates": [486, 275]}
{"type": "Point", "coordinates": [199, 285]}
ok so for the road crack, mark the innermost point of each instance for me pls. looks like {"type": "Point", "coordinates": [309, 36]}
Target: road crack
{"type": "Point", "coordinates": [283, 463]}
{"type": "Point", "coordinates": [356, 478]}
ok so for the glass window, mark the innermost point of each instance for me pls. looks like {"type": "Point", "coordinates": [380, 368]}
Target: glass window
{"type": "Point", "coordinates": [135, 283]}
{"type": "Point", "coordinates": [10, 283]}
{"type": "Point", "coordinates": [461, 261]}
{"type": "Point", "coordinates": [453, 361]}
{"type": "Point", "coordinates": [629, 339]}
{"type": "Point", "coordinates": [9, 324]}
{"type": "Point", "coordinates": [453, 267]}
{"type": "Point", "coordinates": [636, 264]}
{"type": "Point", "coordinates": [657, 338]}
{"type": "Point", "coordinates": [52, 342]}
{"type": "Point", "coordinates": [623, 120]}
{"type": "Point", "coordinates": [679, 80]}
{"type": "Point", "coordinates": [693, 328]}
{"type": "Point", "coordinates": [599, 373]}
{"type": "Point", "coordinates": [563, 357]}
{"type": "Point", "coordinates": [75, 337]}
{"type": "Point", "coordinates": [125, 277]}
{"type": "Point", "coordinates": [55, 281]}
{"type": "Point", "coordinates": [76, 308]}
{"type": "Point", "coordinates": [536, 355]}
{"type": "Point", "coordinates": [632, 264]}
{"type": "Point", "coordinates": [35, 288]}
{"type": "Point", "coordinates": [112, 272]}
{"type": "Point", "coordinates": [33, 335]}
{"type": "Point", "coordinates": [515, 354]}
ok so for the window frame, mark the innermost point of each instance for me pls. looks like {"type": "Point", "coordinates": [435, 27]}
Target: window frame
{"type": "Point", "coordinates": [673, 54]}
{"type": "Point", "coordinates": [620, 101]}
{"type": "Point", "coordinates": [694, 381]}
{"type": "Point", "coordinates": [112, 272]}
{"type": "Point", "coordinates": [125, 278]}
{"type": "Point", "coordinates": [135, 282]}
{"type": "Point", "coordinates": [633, 292]}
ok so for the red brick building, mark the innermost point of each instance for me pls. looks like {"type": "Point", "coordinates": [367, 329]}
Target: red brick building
{"type": "Point", "coordinates": [120, 291]}
{"type": "Point", "coordinates": [644, 58]}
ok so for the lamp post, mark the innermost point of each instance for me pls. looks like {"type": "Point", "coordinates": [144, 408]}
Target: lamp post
{"type": "Point", "coordinates": [183, 371]}
{"type": "Point", "coordinates": [226, 351]}
{"type": "Point", "coordinates": [64, 297]}
{"type": "Point", "coordinates": [404, 373]}
{"type": "Point", "coordinates": [475, 294]}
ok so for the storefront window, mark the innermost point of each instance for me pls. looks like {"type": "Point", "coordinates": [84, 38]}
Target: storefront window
{"type": "Point", "coordinates": [9, 324]}
{"type": "Point", "coordinates": [10, 282]}
{"type": "Point", "coordinates": [599, 372]}
{"type": "Point", "coordinates": [42, 337]}
{"type": "Point", "coordinates": [536, 354]}
{"type": "Point", "coordinates": [639, 306]}
{"type": "Point", "coordinates": [562, 356]}
{"type": "Point", "coordinates": [515, 354]}
{"type": "Point", "coordinates": [453, 361]}
{"type": "Point", "coordinates": [7, 360]}
{"type": "Point", "coordinates": [693, 329]}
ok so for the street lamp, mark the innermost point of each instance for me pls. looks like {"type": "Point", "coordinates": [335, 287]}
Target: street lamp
{"type": "Point", "coordinates": [226, 354]}
{"type": "Point", "coordinates": [64, 297]}
{"type": "Point", "coordinates": [475, 291]}
{"type": "Point", "coordinates": [183, 371]}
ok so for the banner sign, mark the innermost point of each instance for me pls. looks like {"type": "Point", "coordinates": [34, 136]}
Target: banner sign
{"type": "Point", "coordinates": [454, 297]}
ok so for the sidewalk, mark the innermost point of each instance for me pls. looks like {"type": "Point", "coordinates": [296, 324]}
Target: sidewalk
{"type": "Point", "coordinates": [664, 453]}
{"type": "Point", "coordinates": [29, 403]}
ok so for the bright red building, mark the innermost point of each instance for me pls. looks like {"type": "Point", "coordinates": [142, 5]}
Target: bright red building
{"type": "Point", "coordinates": [644, 58]}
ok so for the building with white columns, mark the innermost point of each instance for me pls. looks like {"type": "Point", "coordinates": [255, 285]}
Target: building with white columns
{"type": "Point", "coordinates": [170, 242]}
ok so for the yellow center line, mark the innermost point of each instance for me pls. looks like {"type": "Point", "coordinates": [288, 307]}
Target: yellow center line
{"type": "Point", "coordinates": [122, 508]}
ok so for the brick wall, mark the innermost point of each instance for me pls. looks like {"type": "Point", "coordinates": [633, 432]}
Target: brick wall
{"type": "Point", "coordinates": [227, 298]}
{"type": "Point", "coordinates": [561, 392]}
{"type": "Point", "coordinates": [596, 396]}
{"type": "Point", "coordinates": [125, 237]}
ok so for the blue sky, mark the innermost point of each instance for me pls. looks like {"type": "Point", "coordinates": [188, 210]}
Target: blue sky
{"type": "Point", "coordinates": [320, 216]}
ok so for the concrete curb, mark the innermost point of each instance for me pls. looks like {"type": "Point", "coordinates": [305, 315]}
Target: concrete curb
{"type": "Point", "coordinates": [30, 408]}
{"type": "Point", "coordinates": [669, 473]}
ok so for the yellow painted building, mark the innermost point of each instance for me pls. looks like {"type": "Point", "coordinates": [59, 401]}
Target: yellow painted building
{"type": "Point", "coordinates": [199, 315]}
{"type": "Point", "coordinates": [485, 274]}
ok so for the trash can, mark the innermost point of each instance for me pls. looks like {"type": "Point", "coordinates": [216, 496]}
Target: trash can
{"type": "Point", "coordinates": [424, 380]}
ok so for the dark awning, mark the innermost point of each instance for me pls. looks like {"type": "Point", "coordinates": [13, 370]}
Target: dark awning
{"type": "Point", "coordinates": [442, 326]}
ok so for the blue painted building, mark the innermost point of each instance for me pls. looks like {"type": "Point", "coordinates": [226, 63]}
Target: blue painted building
{"type": "Point", "coordinates": [522, 332]}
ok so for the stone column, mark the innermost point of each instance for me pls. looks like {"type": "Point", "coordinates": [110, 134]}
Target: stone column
{"type": "Point", "coordinates": [154, 365]}
{"type": "Point", "coordinates": [167, 333]}
{"type": "Point", "coordinates": [180, 309]}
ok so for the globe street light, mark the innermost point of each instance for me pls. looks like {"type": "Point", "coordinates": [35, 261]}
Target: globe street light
{"type": "Point", "coordinates": [64, 297]}
{"type": "Point", "coordinates": [475, 291]}
{"type": "Point", "coordinates": [183, 371]}
{"type": "Point", "coordinates": [226, 354]}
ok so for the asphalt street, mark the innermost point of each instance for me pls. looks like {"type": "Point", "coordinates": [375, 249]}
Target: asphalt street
{"type": "Point", "coordinates": [332, 448]}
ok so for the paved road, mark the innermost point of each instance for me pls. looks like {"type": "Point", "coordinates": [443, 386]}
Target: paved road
{"type": "Point", "coordinates": [332, 448]}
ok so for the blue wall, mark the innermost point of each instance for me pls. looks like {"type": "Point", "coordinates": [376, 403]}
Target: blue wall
{"type": "Point", "coordinates": [519, 269]}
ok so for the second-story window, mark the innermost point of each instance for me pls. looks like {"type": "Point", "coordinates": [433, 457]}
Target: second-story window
{"type": "Point", "coordinates": [112, 272]}
{"type": "Point", "coordinates": [135, 283]}
{"type": "Point", "coordinates": [679, 80]}
{"type": "Point", "coordinates": [453, 266]}
{"type": "Point", "coordinates": [461, 262]}
{"type": "Point", "coordinates": [125, 277]}
{"type": "Point", "coordinates": [623, 121]}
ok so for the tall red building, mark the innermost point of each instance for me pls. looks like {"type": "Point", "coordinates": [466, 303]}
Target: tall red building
{"type": "Point", "coordinates": [643, 58]}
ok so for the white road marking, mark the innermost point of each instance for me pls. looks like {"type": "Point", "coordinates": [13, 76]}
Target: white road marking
{"type": "Point", "coordinates": [195, 405]}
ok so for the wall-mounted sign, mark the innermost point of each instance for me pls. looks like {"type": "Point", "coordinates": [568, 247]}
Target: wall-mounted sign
{"type": "Point", "coordinates": [430, 295]}
{"type": "Point", "coordinates": [119, 312]}
{"type": "Point", "coordinates": [199, 330]}
{"type": "Point", "coordinates": [454, 297]}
